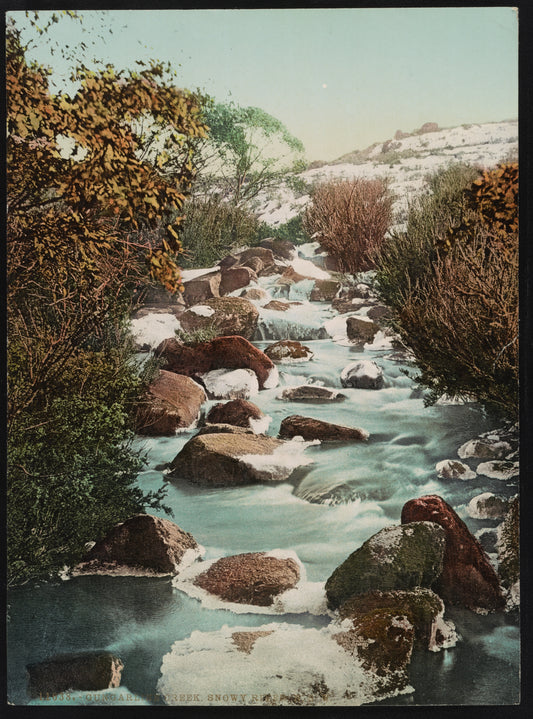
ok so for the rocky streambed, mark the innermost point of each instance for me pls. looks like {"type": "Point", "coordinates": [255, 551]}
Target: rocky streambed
{"type": "Point", "coordinates": [334, 541]}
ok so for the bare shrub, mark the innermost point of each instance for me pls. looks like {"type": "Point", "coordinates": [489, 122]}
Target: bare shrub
{"type": "Point", "coordinates": [349, 219]}
{"type": "Point", "coordinates": [462, 323]}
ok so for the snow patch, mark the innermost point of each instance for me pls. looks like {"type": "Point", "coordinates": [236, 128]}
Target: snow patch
{"type": "Point", "coordinates": [202, 310]}
{"type": "Point", "coordinates": [231, 384]}
{"type": "Point", "coordinates": [153, 328]}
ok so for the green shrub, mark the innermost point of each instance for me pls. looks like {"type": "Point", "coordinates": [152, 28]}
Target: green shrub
{"type": "Point", "coordinates": [350, 219]}
{"type": "Point", "coordinates": [405, 258]}
{"type": "Point", "coordinates": [196, 337]}
{"type": "Point", "coordinates": [292, 230]}
{"type": "Point", "coordinates": [212, 228]}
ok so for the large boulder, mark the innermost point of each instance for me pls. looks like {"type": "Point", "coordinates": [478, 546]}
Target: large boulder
{"type": "Point", "coordinates": [487, 506]}
{"type": "Point", "coordinates": [283, 249]}
{"type": "Point", "coordinates": [311, 393]}
{"type": "Point", "coordinates": [467, 577]}
{"type": "Point", "coordinates": [310, 429]}
{"type": "Point", "coordinates": [172, 402]}
{"type": "Point", "coordinates": [226, 315]}
{"type": "Point", "coordinates": [364, 374]}
{"type": "Point", "coordinates": [265, 255]}
{"type": "Point", "coordinates": [289, 276]}
{"type": "Point", "coordinates": [230, 352]}
{"type": "Point", "coordinates": [87, 671]}
{"type": "Point", "coordinates": [453, 469]}
{"type": "Point", "coordinates": [360, 329]}
{"type": "Point", "coordinates": [156, 298]}
{"type": "Point", "coordinates": [379, 313]}
{"type": "Point", "coordinates": [238, 412]}
{"type": "Point", "coordinates": [254, 578]}
{"type": "Point", "coordinates": [382, 640]}
{"type": "Point", "coordinates": [143, 545]}
{"type": "Point", "coordinates": [397, 557]}
{"type": "Point", "coordinates": [484, 449]}
{"type": "Point", "coordinates": [202, 288]}
{"type": "Point", "coordinates": [288, 352]}
{"type": "Point", "coordinates": [325, 290]}
{"type": "Point", "coordinates": [423, 608]}
{"type": "Point", "coordinates": [233, 278]}
{"type": "Point", "coordinates": [230, 383]}
{"type": "Point", "coordinates": [342, 305]}
{"type": "Point", "coordinates": [228, 459]}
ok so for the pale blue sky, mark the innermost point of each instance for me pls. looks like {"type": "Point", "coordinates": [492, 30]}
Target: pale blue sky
{"type": "Point", "coordinates": [339, 78]}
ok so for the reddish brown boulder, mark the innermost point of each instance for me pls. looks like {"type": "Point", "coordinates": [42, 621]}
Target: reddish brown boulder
{"type": "Point", "coordinates": [255, 264]}
{"type": "Point", "coordinates": [202, 288]}
{"type": "Point", "coordinates": [467, 577]}
{"type": "Point", "coordinates": [233, 352]}
{"type": "Point", "coordinates": [142, 545]}
{"type": "Point", "coordinates": [290, 276]}
{"type": "Point", "coordinates": [309, 429]}
{"type": "Point", "coordinates": [173, 402]}
{"type": "Point", "coordinates": [262, 253]}
{"type": "Point", "coordinates": [360, 329]}
{"type": "Point", "coordinates": [254, 578]}
{"type": "Point", "coordinates": [236, 412]}
{"type": "Point", "coordinates": [234, 278]}
{"type": "Point", "coordinates": [87, 671]}
{"type": "Point", "coordinates": [226, 315]}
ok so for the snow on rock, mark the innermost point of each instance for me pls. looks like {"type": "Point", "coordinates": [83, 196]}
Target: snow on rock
{"type": "Point", "coordinates": [280, 464]}
{"type": "Point", "coordinates": [487, 506]}
{"type": "Point", "coordinates": [308, 268]}
{"type": "Point", "coordinates": [499, 470]}
{"type": "Point", "coordinates": [202, 310]}
{"type": "Point", "coordinates": [152, 329]}
{"type": "Point", "coordinates": [364, 374]}
{"type": "Point", "coordinates": [187, 275]}
{"type": "Point", "coordinates": [231, 384]}
{"type": "Point", "coordinates": [268, 665]}
{"type": "Point", "coordinates": [452, 469]}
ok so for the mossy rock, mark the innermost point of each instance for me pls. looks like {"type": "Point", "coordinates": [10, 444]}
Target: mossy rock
{"type": "Point", "coordinates": [509, 545]}
{"type": "Point", "coordinates": [398, 557]}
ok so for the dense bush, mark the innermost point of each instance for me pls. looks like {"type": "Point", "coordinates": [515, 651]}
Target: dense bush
{"type": "Point", "coordinates": [292, 230]}
{"type": "Point", "coordinates": [454, 289]}
{"type": "Point", "coordinates": [350, 219]}
{"type": "Point", "coordinates": [405, 258]}
{"type": "Point", "coordinates": [213, 228]}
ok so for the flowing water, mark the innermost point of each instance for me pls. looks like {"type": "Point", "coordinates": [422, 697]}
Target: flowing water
{"type": "Point", "coordinates": [367, 484]}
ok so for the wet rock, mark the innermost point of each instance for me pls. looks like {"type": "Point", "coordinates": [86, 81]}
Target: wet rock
{"type": "Point", "coordinates": [223, 428]}
{"type": "Point", "coordinates": [265, 255]}
{"type": "Point", "coordinates": [397, 557]}
{"type": "Point", "coordinates": [142, 545]}
{"type": "Point", "coordinates": [452, 469]}
{"type": "Point", "coordinates": [383, 640]}
{"type": "Point", "coordinates": [87, 671]}
{"type": "Point", "coordinates": [230, 459]}
{"type": "Point", "coordinates": [156, 298]}
{"type": "Point", "coordinates": [172, 402]}
{"type": "Point", "coordinates": [255, 578]}
{"type": "Point", "coordinates": [288, 352]}
{"type": "Point", "coordinates": [289, 276]}
{"type": "Point", "coordinates": [234, 278]}
{"type": "Point", "coordinates": [330, 495]}
{"type": "Point", "coordinates": [254, 293]}
{"type": "Point", "coordinates": [379, 313]}
{"type": "Point", "coordinates": [227, 315]}
{"type": "Point", "coordinates": [421, 606]}
{"type": "Point", "coordinates": [297, 426]}
{"type": "Point", "coordinates": [311, 393]}
{"type": "Point", "coordinates": [488, 539]}
{"type": "Point", "coordinates": [283, 249]}
{"type": "Point", "coordinates": [483, 449]}
{"type": "Point", "coordinates": [230, 352]}
{"type": "Point", "coordinates": [499, 469]}
{"type": "Point", "coordinates": [202, 288]}
{"type": "Point", "coordinates": [230, 383]}
{"type": "Point", "coordinates": [343, 305]}
{"type": "Point", "coordinates": [487, 506]}
{"type": "Point", "coordinates": [325, 290]}
{"type": "Point", "coordinates": [238, 412]}
{"type": "Point", "coordinates": [360, 329]}
{"type": "Point", "coordinates": [468, 578]}
{"type": "Point", "coordinates": [244, 641]}
{"type": "Point", "coordinates": [364, 374]}
{"type": "Point", "coordinates": [277, 306]}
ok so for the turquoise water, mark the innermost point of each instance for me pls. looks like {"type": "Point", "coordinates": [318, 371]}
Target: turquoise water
{"type": "Point", "coordinates": [140, 618]}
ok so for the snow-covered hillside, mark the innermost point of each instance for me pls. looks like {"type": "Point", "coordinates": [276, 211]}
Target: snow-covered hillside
{"type": "Point", "coordinates": [405, 161]}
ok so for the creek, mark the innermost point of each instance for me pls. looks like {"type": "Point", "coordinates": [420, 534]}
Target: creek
{"type": "Point", "coordinates": [141, 618]}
